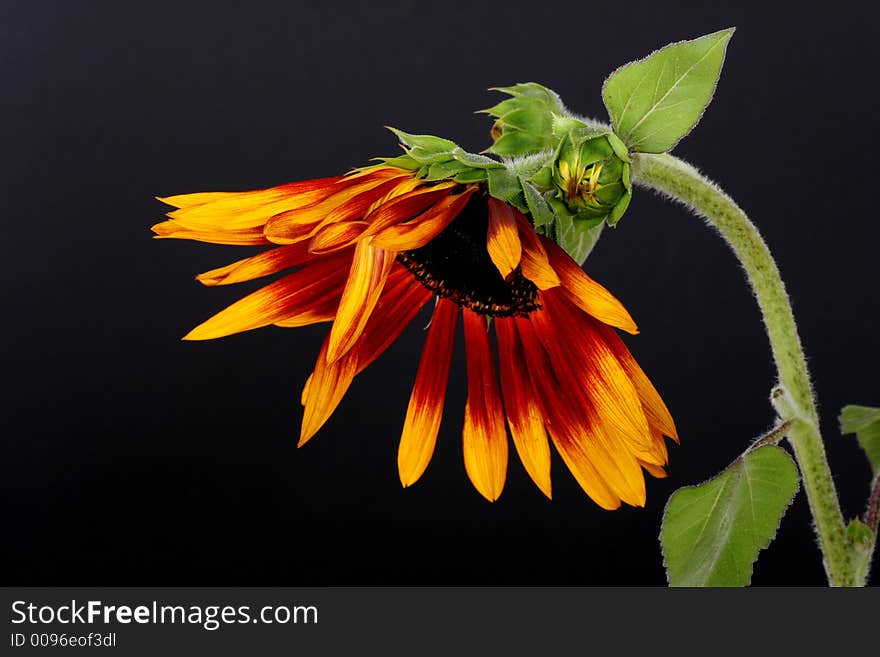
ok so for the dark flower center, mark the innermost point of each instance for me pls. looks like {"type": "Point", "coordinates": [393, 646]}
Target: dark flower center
{"type": "Point", "coordinates": [456, 265]}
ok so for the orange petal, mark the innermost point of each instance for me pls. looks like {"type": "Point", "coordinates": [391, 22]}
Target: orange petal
{"type": "Point", "coordinates": [406, 206]}
{"type": "Point", "coordinates": [601, 419]}
{"type": "Point", "coordinates": [327, 385]}
{"type": "Point", "coordinates": [246, 237]}
{"type": "Point", "coordinates": [570, 436]}
{"type": "Point", "coordinates": [251, 209]}
{"type": "Point", "coordinates": [654, 470]}
{"type": "Point", "coordinates": [586, 293]}
{"type": "Point", "coordinates": [484, 438]}
{"type": "Point", "coordinates": [655, 409]}
{"type": "Point", "coordinates": [296, 292]}
{"type": "Point", "coordinates": [369, 269]}
{"type": "Point", "coordinates": [592, 375]}
{"type": "Point", "coordinates": [416, 233]}
{"type": "Point", "coordinates": [324, 390]}
{"type": "Point", "coordinates": [391, 315]}
{"type": "Point", "coordinates": [428, 395]}
{"type": "Point", "coordinates": [306, 190]}
{"type": "Point", "coordinates": [262, 264]}
{"type": "Point", "coordinates": [324, 312]}
{"type": "Point", "coordinates": [523, 413]}
{"type": "Point", "coordinates": [335, 237]}
{"type": "Point", "coordinates": [535, 264]}
{"type": "Point", "coordinates": [502, 238]}
{"type": "Point", "coordinates": [350, 203]}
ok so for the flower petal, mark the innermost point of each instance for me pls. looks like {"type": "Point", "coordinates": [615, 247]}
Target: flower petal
{"type": "Point", "coordinates": [369, 269]}
{"type": "Point", "coordinates": [484, 438]}
{"type": "Point", "coordinates": [419, 231]}
{"type": "Point", "coordinates": [263, 264]}
{"type": "Point", "coordinates": [592, 375]}
{"type": "Point", "coordinates": [335, 237]}
{"type": "Point", "coordinates": [523, 412]}
{"type": "Point", "coordinates": [535, 264]}
{"type": "Point", "coordinates": [406, 206]}
{"type": "Point", "coordinates": [297, 292]}
{"type": "Point", "coordinates": [502, 238]}
{"type": "Point", "coordinates": [351, 203]}
{"type": "Point", "coordinates": [586, 293]}
{"type": "Point", "coordinates": [324, 389]}
{"type": "Point", "coordinates": [170, 229]}
{"type": "Point", "coordinates": [570, 436]}
{"type": "Point", "coordinates": [252, 209]}
{"type": "Point", "coordinates": [655, 409]}
{"type": "Point", "coordinates": [304, 191]}
{"type": "Point", "coordinates": [327, 385]}
{"type": "Point", "coordinates": [425, 408]}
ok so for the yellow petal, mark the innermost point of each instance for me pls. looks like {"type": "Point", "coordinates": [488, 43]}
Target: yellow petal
{"type": "Point", "coordinates": [586, 293]}
{"type": "Point", "coordinates": [502, 239]}
{"type": "Point", "coordinates": [425, 408]}
{"type": "Point", "coordinates": [484, 438]}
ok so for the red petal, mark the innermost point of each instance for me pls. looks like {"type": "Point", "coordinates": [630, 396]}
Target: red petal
{"type": "Point", "coordinates": [428, 395]}
{"type": "Point", "coordinates": [524, 415]}
{"type": "Point", "coordinates": [298, 292]}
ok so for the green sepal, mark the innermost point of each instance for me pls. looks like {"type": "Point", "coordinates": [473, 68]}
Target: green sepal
{"type": "Point", "coordinates": [475, 160]}
{"type": "Point", "coordinates": [576, 232]}
{"type": "Point", "coordinates": [539, 208]}
{"type": "Point", "coordinates": [428, 143]}
{"type": "Point", "coordinates": [434, 158]}
{"type": "Point", "coordinates": [444, 169]}
{"type": "Point", "coordinates": [618, 210]}
{"type": "Point", "coordinates": [506, 186]}
{"type": "Point", "coordinates": [471, 176]}
{"type": "Point", "coordinates": [400, 162]}
{"type": "Point", "coordinates": [620, 149]}
{"type": "Point", "coordinates": [517, 144]}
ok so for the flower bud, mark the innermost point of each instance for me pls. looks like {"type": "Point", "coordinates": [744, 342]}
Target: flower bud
{"type": "Point", "coordinates": [591, 174]}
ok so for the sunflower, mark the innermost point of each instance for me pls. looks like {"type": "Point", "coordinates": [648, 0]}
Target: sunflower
{"type": "Point", "coordinates": [370, 249]}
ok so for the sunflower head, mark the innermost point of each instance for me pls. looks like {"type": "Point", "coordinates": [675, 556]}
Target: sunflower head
{"type": "Point", "coordinates": [495, 246]}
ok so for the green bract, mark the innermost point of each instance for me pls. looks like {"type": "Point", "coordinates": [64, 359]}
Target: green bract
{"type": "Point", "coordinates": [525, 120]}
{"type": "Point", "coordinates": [435, 158]}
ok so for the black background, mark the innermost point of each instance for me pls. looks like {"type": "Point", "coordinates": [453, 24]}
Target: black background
{"type": "Point", "coordinates": [135, 458]}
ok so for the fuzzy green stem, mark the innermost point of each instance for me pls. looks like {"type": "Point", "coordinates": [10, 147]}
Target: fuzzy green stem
{"type": "Point", "coordinates": [794, 399]}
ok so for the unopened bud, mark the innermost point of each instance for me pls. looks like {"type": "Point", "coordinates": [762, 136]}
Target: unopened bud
{"type": "Point", "coordinates": [591, 176]}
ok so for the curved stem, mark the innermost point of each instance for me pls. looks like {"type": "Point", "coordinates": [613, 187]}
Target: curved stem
{"type": "Point", "coordinates": [793, 399]}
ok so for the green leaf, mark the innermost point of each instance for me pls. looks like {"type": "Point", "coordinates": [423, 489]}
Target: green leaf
{"type": "Point", "coordinates": [712, 533]}
{"type": "Point", "coordinates": [864, 421]}
{"type": "Point", "coordinates": [655, 101]}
